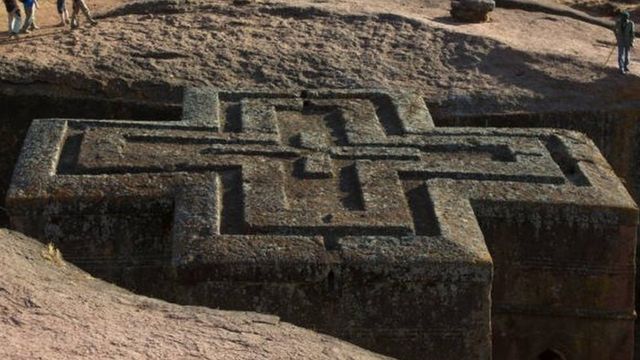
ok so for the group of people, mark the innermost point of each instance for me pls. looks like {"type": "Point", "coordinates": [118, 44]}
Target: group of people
{"type": "Point", "coordinates": [16, 25]}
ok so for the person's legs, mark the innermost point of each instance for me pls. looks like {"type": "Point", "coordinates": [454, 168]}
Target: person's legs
{"type": "Point", "coordinates": [28, 21]}
{"type": "Point", "coordinates": [621, 58]}
{"type": "Point", "coordinates": [7, 7]}
{"type": "Point", "coordinates": [10, 19]}
{"type": "Point", "coordinates": [16, 19]}
{"type": "Point", "coordinates": [86, 12]}
{"type": "Point", "coordinates": [34, 26]}
{"type": "Point", "coordinates": [61, 9]}
{"type": "Point", "coordinates": [74, 14]}
{"type": "Point", "coordinates": [627, 50]}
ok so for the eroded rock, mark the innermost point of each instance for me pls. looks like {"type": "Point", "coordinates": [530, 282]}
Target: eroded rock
{"type": "Point", "coordinates": [49, 309]}
{"type": "Point", "coordinates": [472, 10]}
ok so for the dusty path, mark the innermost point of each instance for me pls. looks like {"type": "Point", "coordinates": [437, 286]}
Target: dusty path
{"type": "Point", "coordinates": [518, 61]}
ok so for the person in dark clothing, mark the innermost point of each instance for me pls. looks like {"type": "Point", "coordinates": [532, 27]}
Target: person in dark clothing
{"type": "Point", "coordinates": [62, 11]}
{"type": "Point", "coordinates": [13, 13]}
{"type": "Point", "coordinates": [30, 7]}
{"type": "Point", "coordinates": [625, 33]}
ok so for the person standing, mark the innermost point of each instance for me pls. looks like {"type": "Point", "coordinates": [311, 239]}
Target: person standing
{"type": "Point", "coordinates": [625, 32]}
{"type": "Point", "coordinates": [62, 11]}
{"type": "Point", "coordinates": [13, 13]}
{"type": "Point", "coordinates": [79, 5]}
{"type": "Point", "coordinates": [30, 15]}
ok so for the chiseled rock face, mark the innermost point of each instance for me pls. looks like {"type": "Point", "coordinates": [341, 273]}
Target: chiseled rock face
{"type": "Point", "coordinates": [472, 10]}
{"type": "Point", "coordinates": [49, 309]}
{"type": "Point", "coordinates": [348, 212]}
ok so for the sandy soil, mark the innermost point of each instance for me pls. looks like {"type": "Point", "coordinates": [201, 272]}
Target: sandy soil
{"type": "Point", "coordinates": [49, 309]}
{"type": "Point", "coordinates": [605, 8]}
{"type": "Point", "coordinates": [518, 61]}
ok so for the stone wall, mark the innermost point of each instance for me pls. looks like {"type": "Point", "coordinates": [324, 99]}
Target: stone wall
{"type": "Point", "coordinates": [615, 132]}
{"type": "Point", "coordinates": [17, 112]}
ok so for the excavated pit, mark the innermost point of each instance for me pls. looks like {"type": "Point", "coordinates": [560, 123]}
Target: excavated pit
{"type": "Point", "coordinates": [17, 112]}
{"type": "Point", "coordinates": [616, 133]}
{"type": "Point", "coordinates": [132, 93]}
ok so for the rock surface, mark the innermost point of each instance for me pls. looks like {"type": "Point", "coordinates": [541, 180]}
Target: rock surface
{"type": "Point", "coordinates": [520, 60]}
{"type": "Point", "coordinates": [472, 10]}
{"type": "Point", "coordinates": [49, 309]}
{"type": "Point", "coordinates": [348, 212]}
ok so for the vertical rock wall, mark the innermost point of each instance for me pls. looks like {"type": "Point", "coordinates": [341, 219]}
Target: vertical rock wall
{"type": "Point", "coordinates": [17, 111]}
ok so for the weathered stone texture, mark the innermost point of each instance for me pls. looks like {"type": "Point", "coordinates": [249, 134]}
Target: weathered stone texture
{"type": "Point", "coordinates": [472, 10]}
{"type": "Point", "coordinates": [350, 213]}
{"type": "Point", "coordinates": [49, 309]}
{"type": "Point", "coordinates": [18, 110]}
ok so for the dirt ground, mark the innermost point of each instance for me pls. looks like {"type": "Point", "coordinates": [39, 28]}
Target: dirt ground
{"type": "Point", "coordinates": [519, 61]}
{"type": "Point", "coordinates": [48, 15]}
{"type": "Point", "coordinates": [606, 8]}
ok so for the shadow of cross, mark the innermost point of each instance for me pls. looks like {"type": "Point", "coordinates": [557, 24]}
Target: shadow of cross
{"type": "Point", "coordinates": [323, 206]}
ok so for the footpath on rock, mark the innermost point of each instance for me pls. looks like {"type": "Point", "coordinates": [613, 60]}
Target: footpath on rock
{"type": "Point", "coordinates": [519, 61]}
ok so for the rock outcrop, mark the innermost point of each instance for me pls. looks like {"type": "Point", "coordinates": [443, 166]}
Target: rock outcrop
{"type": "Point", "coordinates": [472, 10]}
{"type": "Point", "coordinates": [50, 309]}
